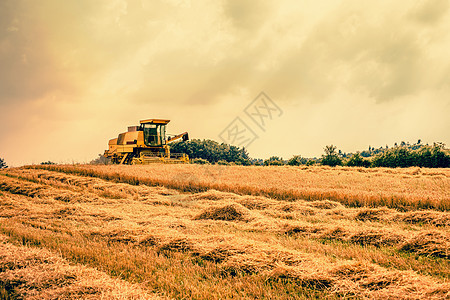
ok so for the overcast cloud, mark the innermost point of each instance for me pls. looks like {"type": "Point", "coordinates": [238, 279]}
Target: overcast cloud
{"type": "Point", "coordinates": [74, 74]}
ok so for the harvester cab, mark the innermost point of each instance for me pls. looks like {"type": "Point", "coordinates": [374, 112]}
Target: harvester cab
{"type": "Point", "coordinates": [154, 132]}
{"type": "Point", "coordinates": [145, 143]}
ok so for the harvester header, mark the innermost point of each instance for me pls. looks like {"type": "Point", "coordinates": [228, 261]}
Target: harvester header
{"type": "Point", "coordinates": [145, 143]}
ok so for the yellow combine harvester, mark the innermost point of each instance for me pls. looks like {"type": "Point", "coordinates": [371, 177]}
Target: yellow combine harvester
{"type": "Point", "coordinates": [144, 144]}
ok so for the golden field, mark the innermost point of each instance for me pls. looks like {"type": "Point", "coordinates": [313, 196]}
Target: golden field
{"type": "Point", "coordinates": [220, 232]}
{"type": "Point", "coordinates": [405, 189]}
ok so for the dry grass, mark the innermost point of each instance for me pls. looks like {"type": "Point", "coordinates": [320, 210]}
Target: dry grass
{"type": "Point", "coordinates": [432, 243]}
{"type": "Point", "coordinates": [31, 273]}
{"type": "Point", "coordinates": [405, 189]}
{"type": "Point", "coordinates": [229, 212]}
{"type": "Point", "coordinates": [218, 245]}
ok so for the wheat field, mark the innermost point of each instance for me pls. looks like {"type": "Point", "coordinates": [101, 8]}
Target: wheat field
{"type": "Point", "coordinates": [405, 189]}
{"type": "Point", "coordinates": [221, 232]}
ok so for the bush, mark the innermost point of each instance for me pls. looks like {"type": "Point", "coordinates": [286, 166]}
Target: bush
{"type": "Point", "coordinates": [257, 162]}
{"type": "Point", "coordinates": [310, 162]}
{"type": "Point", "coordinates": [100, 160]}
{"type": "Point", "coordinates": [297, 160]}
{"type": "Point", "coordinates": [223, 163]}
{"type": "Point", "coordinates": [2, 164]}
{"type": "Point", "coordinates": [357, 161]}
{"type": "Point", "coordinates": [199, 161]}
{"type": "Point", "coordinates": [274, 161]}
{"type": "Point", "coordinates": [47, 163]}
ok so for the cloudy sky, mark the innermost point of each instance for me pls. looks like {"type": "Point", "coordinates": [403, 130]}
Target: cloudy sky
{"type": "Point", "coordinates": [74, 74]}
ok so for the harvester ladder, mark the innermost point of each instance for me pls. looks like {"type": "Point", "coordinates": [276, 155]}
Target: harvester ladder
{"type": "Point", "coordinates": [124, 158]}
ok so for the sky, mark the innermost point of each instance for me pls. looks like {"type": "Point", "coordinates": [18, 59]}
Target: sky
{"type": "Point", "coordinates": [291, 75]}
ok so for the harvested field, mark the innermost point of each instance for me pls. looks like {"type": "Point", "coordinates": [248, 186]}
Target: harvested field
{"type": "Point", "coordinates": [403, 189]}
{"type": "Point", "coordinates": [133, 237]}
{"type": "Point", "coordinates": [33, 273]}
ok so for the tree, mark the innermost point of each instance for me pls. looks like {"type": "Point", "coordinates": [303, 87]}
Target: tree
{"type": "Point", "coordinates": [331, 158]}
{"type": "Point", "coordinates": [424, 156]}
{"type": "Point", "coordinates": [212, 151]}
{"type": "Point", "coordinates": [2, 164]}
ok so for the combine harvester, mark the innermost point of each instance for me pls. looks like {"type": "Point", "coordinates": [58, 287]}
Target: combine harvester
{"type": "Point", "coordinates": [145, 144]}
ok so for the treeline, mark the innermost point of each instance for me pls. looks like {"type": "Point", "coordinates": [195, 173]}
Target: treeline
{"type": "Point", "coordinates": [426, 156]}
{"type": "Point", "coordinates": [209, 151]}
{"type": "Point", "coordinates": [402, 155]}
